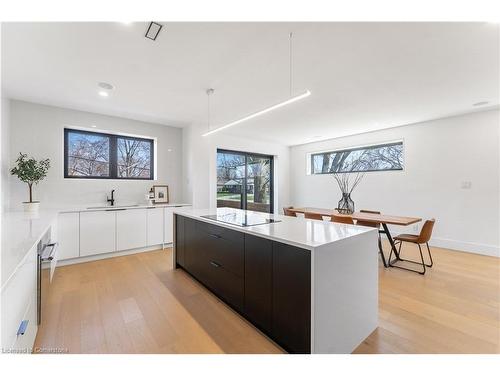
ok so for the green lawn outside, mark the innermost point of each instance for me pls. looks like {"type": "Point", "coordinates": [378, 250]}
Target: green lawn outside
{"type": "Point", "coordinates": [235, 197]}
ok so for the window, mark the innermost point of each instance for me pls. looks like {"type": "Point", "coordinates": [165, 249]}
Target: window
{"type": "Point", "coordinates": [382, 157]}
{"type": "Point", "coordinates": [245, 181]}
{"type": "Point", "coordinates": [99, 155]}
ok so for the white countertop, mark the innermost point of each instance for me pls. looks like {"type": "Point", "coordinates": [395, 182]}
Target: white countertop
{"type": "Point", "coordinates": [21, 231]}
{"type": "Point", "coordinates": [119, 206]}
{"type": "Point", "coordinates": [296, 231]}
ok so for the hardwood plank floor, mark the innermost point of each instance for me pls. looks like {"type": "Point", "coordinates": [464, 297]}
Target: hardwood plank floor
{"type": "Point", "coordinates": [138, 304]}
{"type": "Point", "coordinates": [453, 308]}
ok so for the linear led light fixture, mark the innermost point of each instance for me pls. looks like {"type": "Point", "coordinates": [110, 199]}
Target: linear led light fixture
{"type": "Point", "coordinates": [261, 112]}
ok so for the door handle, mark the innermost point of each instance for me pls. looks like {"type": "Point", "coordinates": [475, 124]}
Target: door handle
{"type": "Point", "coordinates": [215, 235]}
{"type": "Point", "coordinates": [22, 328]}
{"type": "Point", "coordinates": [50, 256]}
{"type": "Point", "coordinates": [215, 264]}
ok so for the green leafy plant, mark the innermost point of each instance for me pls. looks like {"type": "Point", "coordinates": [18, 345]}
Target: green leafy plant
{"type": "Point", "coordinates": [30, 171]}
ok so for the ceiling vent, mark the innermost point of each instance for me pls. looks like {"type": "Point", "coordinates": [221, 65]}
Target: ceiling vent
{"type": "Point", "coordinates": [153, 30]}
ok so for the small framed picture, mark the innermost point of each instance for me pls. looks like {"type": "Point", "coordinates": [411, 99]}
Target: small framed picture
{"type": "Point", "coordinates": [160, 193]}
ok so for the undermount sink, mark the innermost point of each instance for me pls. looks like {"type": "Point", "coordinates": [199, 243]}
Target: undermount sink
{"type": "Point", "coordinates": [112, 207]}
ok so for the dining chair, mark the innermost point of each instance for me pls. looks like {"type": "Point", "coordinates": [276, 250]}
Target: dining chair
{"type": "Point", "coordinates": [418, 239]}
{"type": "Point", "coordinates": [342, 219]}
{"type": "Point", "coordinates": [312, 215]}
{"type": "Point", "coordinates": [287, 211]}
{"type": "Point", "coordinates": [374, 225]}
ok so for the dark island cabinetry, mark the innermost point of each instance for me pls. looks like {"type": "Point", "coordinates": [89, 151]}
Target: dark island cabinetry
{"type": "Point", "coordinates": [267, 282]}
{"type": "Point", "coordinates": [259, 282]}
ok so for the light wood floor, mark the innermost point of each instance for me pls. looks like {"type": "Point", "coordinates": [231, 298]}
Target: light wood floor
{"type": "Point", "coordinates": [138, 304]}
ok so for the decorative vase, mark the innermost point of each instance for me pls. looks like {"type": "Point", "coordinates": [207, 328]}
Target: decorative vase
{"type": "Point", "coordinates": [31, 206]}
{"type": "Point", "coordinates": [346, 204]}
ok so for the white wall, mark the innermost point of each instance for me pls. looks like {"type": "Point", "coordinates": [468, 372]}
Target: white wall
{"type": "Point", "coordinates": [200, 165]}
{"type": "Point", "coordinates": [439, 156]}
{"type": "Point", "coordinates": [5, 149]}
{"type": "Point", "coordinates": [38, 130]}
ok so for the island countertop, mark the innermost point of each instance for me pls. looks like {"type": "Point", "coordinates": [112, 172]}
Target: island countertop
{"type": "Point", "coordinates": [296, 231]}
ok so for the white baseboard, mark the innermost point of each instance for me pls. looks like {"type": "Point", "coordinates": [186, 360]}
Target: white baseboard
{"type": "Point", "coordinates": [468, 247]}
{"type": "Point", "coordinates": [91, 258]}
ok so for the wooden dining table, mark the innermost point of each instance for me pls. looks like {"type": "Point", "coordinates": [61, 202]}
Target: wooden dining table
{"type": "Point", "coordinates": [381, 219]}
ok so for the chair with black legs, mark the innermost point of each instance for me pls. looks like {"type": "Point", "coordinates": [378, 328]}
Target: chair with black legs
{"type": "Point", "coordinates": [420, 239]}
{"type": "Point", "coordinates": [374, 225]}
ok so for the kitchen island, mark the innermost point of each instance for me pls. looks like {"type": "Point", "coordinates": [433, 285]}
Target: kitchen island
{"type": "Point", "coordinates": [311, 286]}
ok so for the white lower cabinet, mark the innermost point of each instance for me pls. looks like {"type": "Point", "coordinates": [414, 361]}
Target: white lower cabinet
{"type": "Point", "coordinates": [87, 233]}
{"type": "Point", "coordinates": [155, 225]}
{"type": "Point", "coordinates": [19, 302]}
{"type": "Point", "coordinates": [97, 232]}
{"type": "Point", "coordinates": [68, 225]}
{"type": "Point", "coordinates": [131, 229]}
{"type": "Point", "coordinates": [168, 236]}
{"type": "Point", "coordinates": [169, 225]}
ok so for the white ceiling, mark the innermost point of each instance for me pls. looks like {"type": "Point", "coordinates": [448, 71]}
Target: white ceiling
{"type": "Point", "coordinates": [363, 76]}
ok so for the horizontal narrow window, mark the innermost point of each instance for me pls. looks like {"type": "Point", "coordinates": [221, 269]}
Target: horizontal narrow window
{"type": "Point", "coordinates": [100, 155]}
{"type": "Point", "coordinates": [382, 157]}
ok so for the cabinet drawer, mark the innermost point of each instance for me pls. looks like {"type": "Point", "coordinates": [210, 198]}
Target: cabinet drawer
{"type": "Point", "coordinates": [220, 232]}
{"type": "Point", "coordinates": [222, 246]}
{"type": "Point", "coordinates": [227, 286]}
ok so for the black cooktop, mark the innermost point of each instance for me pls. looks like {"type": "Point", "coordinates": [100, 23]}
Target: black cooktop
{"type": "Point", "coordinates": [242, 219]}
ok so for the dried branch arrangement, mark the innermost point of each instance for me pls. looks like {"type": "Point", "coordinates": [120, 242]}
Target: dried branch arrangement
{"type": "Point", "coordinates": [348, 181]}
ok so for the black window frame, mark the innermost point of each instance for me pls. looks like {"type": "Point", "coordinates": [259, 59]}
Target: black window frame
{"type": "Point", "coordinates": [244, 185]}
{"type": "Point", "coordinates": [379, 145]}
{"type": "Point", "coordinates": [113, 155]}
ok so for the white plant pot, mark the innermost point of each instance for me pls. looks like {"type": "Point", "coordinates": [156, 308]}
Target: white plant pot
{"type": "Point", "coordinates": [31, 206]}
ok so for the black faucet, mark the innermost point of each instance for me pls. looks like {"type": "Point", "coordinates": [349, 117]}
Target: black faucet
{"type": "Point", "coordinates": [112, 199]}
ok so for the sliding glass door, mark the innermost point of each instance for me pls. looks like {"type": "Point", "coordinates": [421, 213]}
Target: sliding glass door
{"type": "Point", "coordinates": [245, 181]}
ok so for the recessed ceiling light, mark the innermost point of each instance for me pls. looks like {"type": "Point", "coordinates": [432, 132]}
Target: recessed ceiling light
{"type": "Point", "coordinates": [104, 94]}
{"type": "Point", "coordinates": [480, 104]}
{"type": "Point", "coordinates": [94, 126]}
{"type": "Point", "coordinates": [169, 150]}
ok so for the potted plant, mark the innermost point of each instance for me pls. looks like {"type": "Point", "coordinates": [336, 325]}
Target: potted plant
{"type": "Point", "coordinates": [30, 171]}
